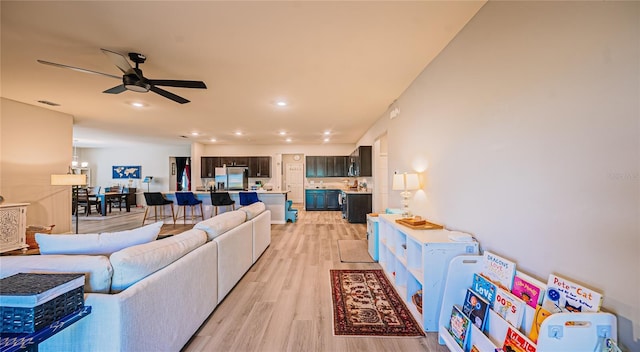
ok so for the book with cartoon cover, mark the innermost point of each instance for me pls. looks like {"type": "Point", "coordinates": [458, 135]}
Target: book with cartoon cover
{"type": "Point", "coordinates": [566, 296]}
{"type": "Point", "coordinates": [527, 290]}
{"type": "Point", "coordinates": [515, 341]}
{"type": "Point", "coordinates": [509, 307]}
{"type": "Point", "coordinates": [459, 326]}
{"type": "Point", "coordinates": [476, 308]}
{"type": "Point", "coordinates": [484, 287]}
{"type": "Point", "coordinates": [498, 269]}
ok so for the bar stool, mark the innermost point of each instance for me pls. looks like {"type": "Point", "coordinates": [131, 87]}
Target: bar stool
{"type": "Point", "coordinates": [221, 199]}
{"type": "Point", "coordinates": [248, 198]}
{"type": "Point", "coordinates": [155, 200]}
{"type": "Point", "coordinates": [188, 199]}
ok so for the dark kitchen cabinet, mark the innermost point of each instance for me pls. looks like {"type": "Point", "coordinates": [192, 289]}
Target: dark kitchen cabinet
{"type": "Point", "coordinates": [259, 166]}
{"type": "Point", "coordinates": [207, 167]}
{"type": "Point", "coordinates": [316, 166]}
{"type": "Point", "coordinates": [235, 160]}
{"type": "Point", "coordinates": [360, 162]}
{"type": "Point", "coordinates": [322, 199]}
{"type": "Point", "coordinates": [358, 206]}
{"type": "Point", "coordinates": [326, 166]}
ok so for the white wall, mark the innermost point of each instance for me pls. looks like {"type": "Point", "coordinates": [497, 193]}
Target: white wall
{"type": "Point", "coordinates": [527, 129]}
{"type": "Point", "coordinates": [153, 158]}
{"type": "Point", "coordinates": [35, 143]}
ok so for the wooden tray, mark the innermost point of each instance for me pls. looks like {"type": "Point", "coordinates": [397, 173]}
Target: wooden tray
{"type": "Point", "coordinates": [411, 223]}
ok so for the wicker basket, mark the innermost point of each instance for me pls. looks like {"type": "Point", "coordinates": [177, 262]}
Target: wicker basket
{"type": "Point", "coordinates": [417, 300]}
{"type": "Point", "coordinates": [27, 320]}
{"type": "Point", "coordinates": [31, 234]}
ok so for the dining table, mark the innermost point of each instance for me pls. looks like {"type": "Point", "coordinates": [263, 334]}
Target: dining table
{"type": "Point", "coordinates": [105, 197]}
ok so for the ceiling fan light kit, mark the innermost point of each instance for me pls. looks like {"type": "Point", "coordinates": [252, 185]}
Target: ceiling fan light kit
{"type": "Point", "coordinates": [132, 78]}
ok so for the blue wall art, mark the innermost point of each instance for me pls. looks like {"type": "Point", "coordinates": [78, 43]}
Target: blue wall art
{"type": "Point", "coordinates": [120, 172]}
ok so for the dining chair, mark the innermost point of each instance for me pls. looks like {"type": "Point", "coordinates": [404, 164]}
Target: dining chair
{"type": "Point", "coordinates": [155, 200]}
{"type": "Point", "coordinates": [221, 199]}
{"type": "Point", "coordinates": [248, 198]}
{"type": "Point", "coordinates": [85, 201]}
{"type": "Point", "coordinates": [188, 199]}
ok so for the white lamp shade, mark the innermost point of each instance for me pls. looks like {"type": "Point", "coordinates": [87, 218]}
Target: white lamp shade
{"type": "Point", "coordinates": [398, 182]}
{"type": "Point", "coordinates": [68, 180]}
{"type": "Point", "coordinates": [412, 182]}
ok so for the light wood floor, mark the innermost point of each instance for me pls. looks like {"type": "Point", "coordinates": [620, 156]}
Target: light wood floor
{"type": "Point", "coordinates": [284, 302]}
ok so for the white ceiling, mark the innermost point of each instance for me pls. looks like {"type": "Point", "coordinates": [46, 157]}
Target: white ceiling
{"type": "Point", "coordinates": [339, 65]}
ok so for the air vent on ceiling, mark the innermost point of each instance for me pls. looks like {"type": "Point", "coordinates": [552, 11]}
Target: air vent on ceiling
{"type": "Point", "coordinates": [46, 102]}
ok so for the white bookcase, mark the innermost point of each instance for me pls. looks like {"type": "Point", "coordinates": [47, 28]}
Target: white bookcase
{"type": "Point", "coordinates": [560, 332]}
{"type": "Point", "coordinates": [416, 260]}
{"type": "Point", "coordinates": [13, 228]}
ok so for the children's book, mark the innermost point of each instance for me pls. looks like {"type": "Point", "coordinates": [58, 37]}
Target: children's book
{"type": "Point", "coordinates": [485, 288]}
{"type": "Point", "coordinates": [610, 346]}
{"type": "Point", "coordinates": [540, 315]}
{"type": "Point", "coordinates": [499, 270]}
{"type": "Point", "coordinates": [566, 296]}
{"type": "Point", "coordinates": [527, 290]}
{"type": "Point", "coordinates": [515, 341]}
{"type": "Point", "coordinates": [474, 348]}
{"type": "Point", "coordinates": [459, 326]}
{"type": "Point", "coordinates": [476, 308]}
{"type": "Point", "coordinates": [510, 307]}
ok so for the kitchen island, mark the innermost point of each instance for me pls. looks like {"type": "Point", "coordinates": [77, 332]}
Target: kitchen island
{"type": "Point", "coordinates": [274, 201]}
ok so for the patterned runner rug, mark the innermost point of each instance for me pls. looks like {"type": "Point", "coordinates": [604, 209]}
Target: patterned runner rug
{"type": "Point", "coordinates": [365, 303]}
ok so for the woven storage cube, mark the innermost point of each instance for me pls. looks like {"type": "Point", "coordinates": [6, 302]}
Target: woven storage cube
{"type": "Point", "coordinates": [27, 320]}
{"type": "Point", "coordinates": [18, 316]}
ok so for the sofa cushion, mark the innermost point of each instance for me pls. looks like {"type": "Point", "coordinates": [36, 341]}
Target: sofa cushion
{"type": "Point", "coordinates": [103, 243]}
{"type": "Point", "coordinates": [254, 209]}
{"type": "Point", "coordinates": [222, 223]}
{"type": "Point", "coordinates": [97, 268]}
{"type": "Point", "coordinates": [133, 264]}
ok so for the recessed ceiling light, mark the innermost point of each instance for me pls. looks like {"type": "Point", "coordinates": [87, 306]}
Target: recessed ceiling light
{"type": "Point", "coordinates": [238, 133]}
{"type": "Point", "coordinates": [282, 133]}
{"type": "Point", "coordinates": [213, 140]}
{"type": "Point", "coordinates": [195, 133]}
{"type": "Point", "coordinates": [288, 140]}
{"type": "Point", "coordinates": [137, 104]}
{"type": "Point", "coordinates": [281, 103]}
{"type": "Point", "coordinates": [326, 133]}
{"type": "Point", "coordinates": [326, 139]}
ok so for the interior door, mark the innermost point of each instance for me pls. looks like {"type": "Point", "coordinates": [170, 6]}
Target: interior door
{"type": "Point", "coordinates": [294, 174]}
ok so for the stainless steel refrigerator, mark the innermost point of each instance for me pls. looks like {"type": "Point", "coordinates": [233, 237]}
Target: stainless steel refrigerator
{"type": "Point", "coordinates": [232, 178]}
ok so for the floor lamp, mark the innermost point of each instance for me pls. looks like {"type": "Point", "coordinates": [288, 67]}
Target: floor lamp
{"type": "Point", "coordinates": [405, 182]}
{"type": "Point", "coordinates": [74, 180]}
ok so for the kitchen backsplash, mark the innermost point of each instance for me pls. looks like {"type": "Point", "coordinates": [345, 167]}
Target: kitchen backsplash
{"type": "Point", "coordinates": [338, 183]}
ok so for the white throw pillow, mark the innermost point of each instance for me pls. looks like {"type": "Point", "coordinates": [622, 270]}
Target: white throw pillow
{"type": "Point", "coordinates": [133, 264]}
{"type": "Point", "coordinates": [254, 209]}
{"type": "Point", "coordinates": [103, 243]}
{"type": "Point", "coordinates": [222, 223]}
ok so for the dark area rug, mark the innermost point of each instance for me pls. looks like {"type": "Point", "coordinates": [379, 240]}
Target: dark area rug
{"type": "Point", "coordinates": [365, 303]}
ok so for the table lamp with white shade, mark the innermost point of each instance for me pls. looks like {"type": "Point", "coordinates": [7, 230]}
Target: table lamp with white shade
{"type": "Point", "coordinates": [405, 182]}
{"type": "Point", "coordinates": [74, 180]}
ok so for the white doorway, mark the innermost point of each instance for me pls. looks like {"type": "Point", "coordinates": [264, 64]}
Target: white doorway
{"type": "Point", "coordinates": [381, 175]}
{"type": "Point", "coordinates": [294, 177]}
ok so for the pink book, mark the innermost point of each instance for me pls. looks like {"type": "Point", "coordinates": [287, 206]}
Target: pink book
{"type": "Point", "coordinates": [526, 291]}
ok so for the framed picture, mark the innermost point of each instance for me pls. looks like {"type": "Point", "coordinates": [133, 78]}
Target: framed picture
{"type": "Point", "coordinates": [120, 172]}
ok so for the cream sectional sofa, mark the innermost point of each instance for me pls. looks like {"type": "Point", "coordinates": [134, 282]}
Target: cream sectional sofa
{"type": "Point", "coordinates": [155, 296]}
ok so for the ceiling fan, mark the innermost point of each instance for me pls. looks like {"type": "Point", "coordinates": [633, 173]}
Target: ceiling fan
{"type": "Point", "coordinates": [132, 78]}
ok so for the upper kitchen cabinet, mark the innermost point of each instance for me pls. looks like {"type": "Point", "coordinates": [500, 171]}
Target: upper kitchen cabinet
{"type": "Point", "coordinates": [326, 166]}
{"type": "Point", "coordinates": [259, 166]}
{"type": "Point", "coordinates": [235, 160]}
{"type": "Point", "coordinates": [207, 166]}
{"type": "Point", "coordinates": [360, 162]}
{"type": "Point", "coordinates": [337, 166]}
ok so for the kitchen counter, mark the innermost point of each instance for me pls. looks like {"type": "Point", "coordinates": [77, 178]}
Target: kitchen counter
{"type": "Point", "coordinates": [274, 200]}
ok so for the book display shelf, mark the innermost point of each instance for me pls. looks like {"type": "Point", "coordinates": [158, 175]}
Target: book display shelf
{"type": "Point", "coordinates": [415, 261]}
{"type": "Point", "coordinates": [559, 332]}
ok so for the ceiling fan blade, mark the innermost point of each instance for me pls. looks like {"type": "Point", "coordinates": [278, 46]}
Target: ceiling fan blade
{"type": "Point", "coordinates": [115, 90]}
{"type": "Point", "coordinates": [78, 69]}
{"type": "Point", "coordinates": [178, 83]}
{"type": "Point", "coordinates": [120, 61]}
{"type": "Point", "coordinates": [168, 95]}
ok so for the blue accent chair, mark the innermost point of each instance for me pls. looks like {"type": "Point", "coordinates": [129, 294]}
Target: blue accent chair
{"type": "Point", "coordinates": [188, 199]}
{"type": "Point", "coordinates": [290, 213]}
{"type": "Point", "coordinates": [248, 198]}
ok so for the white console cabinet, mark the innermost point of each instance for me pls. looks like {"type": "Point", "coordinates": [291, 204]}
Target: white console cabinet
{"type": "Point", "coordinates": [13, 220]}
{"type": "Point", "coordinates": [416, 260]}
